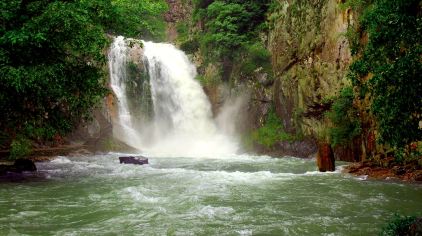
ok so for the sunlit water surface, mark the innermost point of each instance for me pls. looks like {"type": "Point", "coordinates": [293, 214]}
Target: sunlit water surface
{"type": "Point", "coordinates": [236, 195]}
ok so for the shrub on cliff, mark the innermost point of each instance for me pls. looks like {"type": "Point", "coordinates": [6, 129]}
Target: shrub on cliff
{"type": "Point", "coordinates": [271, 132]}
{"type": "Point", "coordinates": [230, 33]}
{"type": "Point", "coordinates": [20, 148]}
{"type": "Point", "coordinates": [344, 117]}
{"type": "Point", "coordinates": [388, 68]}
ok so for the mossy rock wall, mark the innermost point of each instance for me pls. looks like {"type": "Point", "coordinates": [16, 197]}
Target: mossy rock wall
{"type": "Point", "coordinates": [310, 56]}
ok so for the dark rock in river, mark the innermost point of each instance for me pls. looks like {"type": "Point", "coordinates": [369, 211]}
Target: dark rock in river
{"type": "Point", "coordinates": [24, 165]}
{"type": "Point", "coordinates": [325, 158]}
{"type": "Point", "coordinates": [133, 160]}
{"type": "Point", "coordinates": [18, 166]}
{"type": "Point", "coordinates": [415, 229]}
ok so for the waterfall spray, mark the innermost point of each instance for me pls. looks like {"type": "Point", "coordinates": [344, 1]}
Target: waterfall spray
{"type": "Point", "coordinates": [123, 128]}
{"type": "Point", "coordinates": [182, 124]}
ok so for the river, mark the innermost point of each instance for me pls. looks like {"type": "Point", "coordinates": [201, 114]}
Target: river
{"type": "Point", "coordinates": [194, 184]}
{"type": "Point", "coordinates": [228, 195]}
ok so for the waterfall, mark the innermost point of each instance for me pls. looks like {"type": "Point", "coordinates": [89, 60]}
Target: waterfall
{"type": "Point", "coordinates": [182, 123]}
{"type": "Point", "coordinates": [118, 59]}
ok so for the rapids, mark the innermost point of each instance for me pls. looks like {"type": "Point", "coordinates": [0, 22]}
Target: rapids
{"type": "Point", "coordinates": [226, 195]}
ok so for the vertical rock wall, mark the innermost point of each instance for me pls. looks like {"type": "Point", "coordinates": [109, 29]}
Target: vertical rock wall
{"type": "Point", "coordinates": [310, 57]}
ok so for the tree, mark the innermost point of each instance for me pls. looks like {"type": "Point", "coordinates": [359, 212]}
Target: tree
{"type": "Point", "coordinates": [391, 59]}
{"type": "Point", "coordinates": [52, 58]}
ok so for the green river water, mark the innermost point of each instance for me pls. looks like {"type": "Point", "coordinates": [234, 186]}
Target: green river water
{"type": "Point", "coordinates": [236, 195]}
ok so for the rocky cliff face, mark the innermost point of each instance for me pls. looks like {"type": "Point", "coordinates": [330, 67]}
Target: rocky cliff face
{"type": "Point", "coordinates": [310, 57]}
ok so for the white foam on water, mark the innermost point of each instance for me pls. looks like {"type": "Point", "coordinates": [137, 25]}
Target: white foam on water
{"type": "Point", "coordinates": [61, 160]}
{"type": "Point", "coordinates": [212, 212]}
{"type": "Point", "coordinates": [138, 195]}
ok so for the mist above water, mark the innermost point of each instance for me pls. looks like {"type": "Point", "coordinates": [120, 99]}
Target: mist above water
{"type": "Point", "coordinates": [182, 123]}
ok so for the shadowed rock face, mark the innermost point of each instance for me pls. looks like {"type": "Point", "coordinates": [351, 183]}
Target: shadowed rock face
{"type": "Point", "coordinates": [16, 172]}
{"type": "Point", "coordinates": [133, 160]}
{"type": "Point", "coordinates": [24, 165]}
{"type": "Point", "coordinates": [415, 229]}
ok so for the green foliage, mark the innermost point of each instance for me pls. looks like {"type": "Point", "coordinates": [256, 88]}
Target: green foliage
{"type": "Point", "coordinates": [355, 5]}
{"type": "Point", "coordinates": [229, 36]}
{"type": "Point", "coordinates": [399, 225]}
{"type": "Point", "coordinates": [19, 148]}
{"type": "Point", "coordinates": [271, 132]}
{"type": "Point", "coordinates": [208, 81]}
{"type": "Point", "coordinates": [190, 46]}
{"type": "Point", "coordinates": [391, 59]}
{"type": "Point", "coordinates": [139, 18]}
{"type": "Point", "coordinates": [353, 37]}
{"type": "Point", "coordinates": [182, 30]}
{"type": "Point", "coordinates": [225, 28]}
{"type": "Point", "coordinates": [52, 58]}
{"type": "Point", "coordinates": [256, 57]}
{"type": "Point", "coordinates": [229, 24]}
{"type": "Point", "coordinates": [344, 118]}
{"type": "Point", "coordinates": [200, 4]}
{"type": "Point", "coordinates": [50, 63]}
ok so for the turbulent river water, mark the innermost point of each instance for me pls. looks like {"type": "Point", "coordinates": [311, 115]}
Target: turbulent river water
{"type": "Point", "coordinates": [229, 195]}
{"type": "Point", "coordinates": [178, 193]}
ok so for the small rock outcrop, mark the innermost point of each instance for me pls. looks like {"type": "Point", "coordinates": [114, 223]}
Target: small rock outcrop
{"type": "Point", "coordinates": [19, 166]}
{"type": "Point", "coordinates": [325, 158]}
{"type": "Point", "coordinates": [133, 160]}
{"type": "Point", "coordinates": [415, 229]}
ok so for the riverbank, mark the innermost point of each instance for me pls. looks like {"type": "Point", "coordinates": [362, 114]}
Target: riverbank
{"type": "Point", "coordinates": [372, 171]}
{"type": "Point", "coordinates": [47, 153]}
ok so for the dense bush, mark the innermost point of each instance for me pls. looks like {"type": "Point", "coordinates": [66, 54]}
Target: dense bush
{"type": "Point", "coordinates": [386, 42]}
{"type": "Point", "coordinates": [230, 35]}
{"type": "Point", "coordinates": [399, 225]}
{"type": "Point", "coordinates": [231, 23]}
{"type": "Point", "coordinates": [20, 148]}
{"type": "Point", "coordinates": [344, 117]}
{"type": "Point", "coordinates": [392, 57]}
{"type": "Point", "coordinates": [52, 59]}
{"type": "Point", "coordinates": [255, 57]}
{"type": "Point", "coordinates": [271, 132]}
{"type": "Point", "coordinates": [139, 18]}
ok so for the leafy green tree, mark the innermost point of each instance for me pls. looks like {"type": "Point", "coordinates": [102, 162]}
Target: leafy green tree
{"type": "Point", "coordinates": [52, 59]}
{"type": "Point", "coordinates": [50, 64]}
{"type": "Point", "coordinates": [391, 59]}
{"type": "Point", "coordinates": [344, 117]}
{"type": "Point", "coordinates": [229, 24]}
{"type": "Point", "coordinates": [228, 33]}
{"type": "Point", "coordinates": [139, 18]}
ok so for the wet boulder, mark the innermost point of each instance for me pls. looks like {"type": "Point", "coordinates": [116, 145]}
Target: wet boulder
{"type": "Point", "coordinates": [19, 166]}
{"type": "Point", "coordinates": [24, 165]}
{"type": "Point", "coordinates": [135, 160]}
{"type": "Point", "coordinates": [415, 229]}
{"type": "Point", "coordinates": [325, 158]}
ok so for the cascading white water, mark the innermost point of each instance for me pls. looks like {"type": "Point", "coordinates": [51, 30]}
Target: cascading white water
{"type": "Point", "coordinates": [180, 105]}
{"type": "Point", "coordinates": [183, 123]}
{"type": "Point", "coordinates": [117, 58]}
